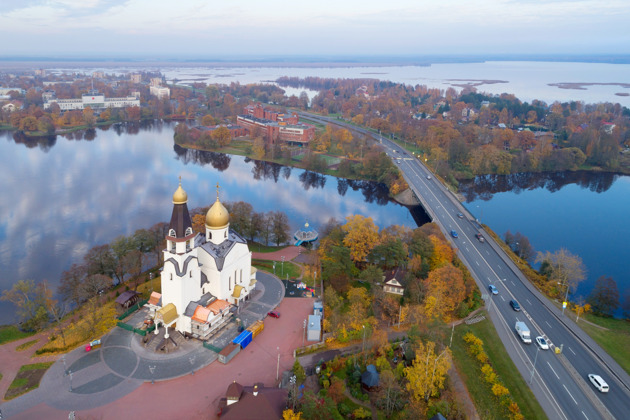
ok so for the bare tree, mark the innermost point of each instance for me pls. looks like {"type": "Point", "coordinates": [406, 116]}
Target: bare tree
{"type": "Point", "coordinates": [566, 269]}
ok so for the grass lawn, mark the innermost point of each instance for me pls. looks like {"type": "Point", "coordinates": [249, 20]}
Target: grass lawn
{"type": "Point", "coordinates": [291, 269]}
{"type": "Point", "coordinates": [615, 340]}
{"type": "Point", "coordinates": [26, 345]}
{"type": "Point", "coordinates": [27, 379]}
{"type": "Point", "coordinates": [10, 333]}
{"type": "Point", "coordinates": [487, 405]}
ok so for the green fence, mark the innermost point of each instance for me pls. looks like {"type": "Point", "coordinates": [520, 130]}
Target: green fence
{"type": "Point", "coordinates": [133, 309]}
{"type": "Point", "coordinates": [211, 347]}
{"type": "Point", "coordinates": [138, 331]}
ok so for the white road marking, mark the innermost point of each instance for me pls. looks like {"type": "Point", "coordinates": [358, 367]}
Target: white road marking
{"type": "Point", "coordinates": [554, 372]}
{"type": "Point", "coordinates": [585, 415]}
{"type": "Point", "coordinates": [487, 253]}
{"type": "Point", "coordinates": [571, 350]}
{"type": "Point", "coordinates": [565, 387]}
{"type": "Point", "coordinates": [477, 263]}
{"type": "Point", "coordinates": [502, 299]}
{"type": "Point", "coordinates": [499, 267]}
{"type": "Point", "coordinates": [528, 301]}
{"type": "Point", "coordinates": [512, 283]}
{"type": "Point", "coordinates": [548, 324]}
{"type": "Point", "coordinates": [467, 249]}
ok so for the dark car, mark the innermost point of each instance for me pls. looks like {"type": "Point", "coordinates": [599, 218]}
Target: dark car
{"type": "Point", "coordinates": [480, 237]}
{"type": "Point", "coordinates": [274, 314]}
{"type": "Point", "coordinates": [514, 304]}
{"type": "Point", "coordinates": [454, 234]}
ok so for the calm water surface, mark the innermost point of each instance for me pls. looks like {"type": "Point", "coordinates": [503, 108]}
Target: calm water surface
{"type": "Point", "coordinates": [586, 213]}
{"type": "Point", "coordinates": [61, 197]}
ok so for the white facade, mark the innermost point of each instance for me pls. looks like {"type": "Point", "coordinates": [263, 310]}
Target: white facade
{"type": "Point", "coordinates": [204, 274]}
{"type": "Point", "coordinates": [160, 91]}
{"type": "Point", "coordinates": [94, 100]}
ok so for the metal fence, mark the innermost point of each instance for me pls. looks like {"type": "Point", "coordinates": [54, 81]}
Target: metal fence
{"type": "Point", "coordinates": [133, 309]}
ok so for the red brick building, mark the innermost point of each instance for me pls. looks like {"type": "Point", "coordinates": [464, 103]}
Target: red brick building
{"type": "Point", "coordinates": [276, 126]}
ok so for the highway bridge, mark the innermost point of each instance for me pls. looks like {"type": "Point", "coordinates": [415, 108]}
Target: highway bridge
{"type": "Point", "coordinates": [559, 381]}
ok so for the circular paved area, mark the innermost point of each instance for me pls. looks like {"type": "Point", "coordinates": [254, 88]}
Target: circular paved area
{"type": "Point", "coordinates": [122, 364]}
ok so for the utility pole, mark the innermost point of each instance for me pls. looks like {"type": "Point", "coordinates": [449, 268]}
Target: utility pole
{"type": "Point", "coordinates": [278, 366]}
{"type": "Point", "coordinates": [534, 367]}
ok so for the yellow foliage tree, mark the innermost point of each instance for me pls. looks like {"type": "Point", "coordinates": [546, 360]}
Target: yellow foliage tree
{"type": "Point", "coordinates": [259, 148]}
{"type": "Point", "coordinates": [445, 291]}
{"type": "Point", "coordinates": [427, 374]}
{"type": "Point", "coordinates": [361, 236]}
{"type": "Point", "coordinates": [442, 253]}
{"type": "Point", "coordinates": [499, 390]}
{"type": "Point", "coordinates": [289, 414]}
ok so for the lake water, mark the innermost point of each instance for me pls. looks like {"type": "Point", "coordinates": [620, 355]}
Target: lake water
{"type": "Point", "coordinates": [63, 196]}
{"type": "Point", "coordinates": [586, 213]}
{"type": "Point", "coordinates": [528, 80]}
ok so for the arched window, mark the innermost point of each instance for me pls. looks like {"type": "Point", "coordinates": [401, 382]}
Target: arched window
{"type": "Point", "coordinates": [209, 236]}
{"type": "Point", "coordinates": [171, 233]}
{"type": "Point", "coordinates": [225, 234]}
{"type": "Point", "coordinates": [189, 231]}
{"type": "Point", "coordinates": [171, 276]}
{"type": "Point", "coordinates": [191, 274]}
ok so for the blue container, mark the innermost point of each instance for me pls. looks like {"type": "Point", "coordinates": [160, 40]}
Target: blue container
{"type": "Point", "coordinates": [243, 339]}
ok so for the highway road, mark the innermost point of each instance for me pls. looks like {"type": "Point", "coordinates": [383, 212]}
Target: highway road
{"type": "Point", "coordinates": [559, 381]}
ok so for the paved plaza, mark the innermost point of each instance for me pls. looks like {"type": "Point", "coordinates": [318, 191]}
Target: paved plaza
{"type": "Point", "coordinates": [83, 380]}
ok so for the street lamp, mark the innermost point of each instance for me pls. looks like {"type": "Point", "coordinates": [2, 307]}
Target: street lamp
{"type": "Point", "coordinates": [152, 370]}
{"type": "Point", "coordinates": [282, 258]}
{"type": "Point", "coordinates": [534, 367]}
{"type": "Point", "coordinates": [70, 373]}
{"type": "Point", "coordinates": [304, 335]}
{"type": "Point", "coordinates": [363, 349]}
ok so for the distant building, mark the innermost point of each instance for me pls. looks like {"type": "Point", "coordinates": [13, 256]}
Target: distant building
{"type": "Point", "coordinates": [5, 91]}
{"type": "Point", "coordinates": [162, 92]}
{"type": "Point", "coordinates": [94, 100]}
{"type": "Point", "coordinates": [135, 78]}
{"type": "Point", "coordinates": [275, 125]}
{"type": "Point", "coordinates": [98, 75]}
{"type": "Point", "coordinates": [156, 81]}
{"type": "Point", "coordinates": [253, 403]}
{"type": "Point", "coordinates": [40, 72]}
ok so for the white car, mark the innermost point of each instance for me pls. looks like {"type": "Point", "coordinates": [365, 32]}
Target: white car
{"type": "Point", "coordinates": [540, 340]}
{"type": "Point", "coordinates": [598, 382]}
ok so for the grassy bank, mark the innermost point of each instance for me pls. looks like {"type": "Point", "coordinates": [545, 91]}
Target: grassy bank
{"type": "Point", "coordinates": [487, 404]}
{"type": "Point", "coordinates": [615, 339]}
{"type": "Point", "coordinates": [291, 269]}
{"type": "Point", "coordinates": [10, 333]}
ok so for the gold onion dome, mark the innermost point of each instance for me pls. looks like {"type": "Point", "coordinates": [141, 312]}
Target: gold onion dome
{"type": "Point", "coordinates": [180, 196]}
{"type": "Point", "coordinates": [217, 216]}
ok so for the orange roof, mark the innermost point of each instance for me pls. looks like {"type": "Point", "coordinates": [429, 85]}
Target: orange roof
{"type": "Point", "coordinates": [201, 314]}
{"type": "Point", "coordinates": [218, 306]}
{"type": "Point", "coordinates": [155, 298]}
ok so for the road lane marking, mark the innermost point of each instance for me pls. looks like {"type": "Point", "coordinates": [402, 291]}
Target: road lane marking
{"type": "Point", "coordinates": [585, 415]}
{"type": "Point", "coordinates": [528, 301]}
{"type": "Point", "coordinates": [554, 372]}
{"type": "Point", "coordinates": [467, 249]}
{"type": "Point", "coordinates": [502, 298]}
{"type": "Point", "coordinates": [477, 263]}
{"type": "Point", "coordinates": [566, 389]}
{"type": "Point", "coordinates": [512, 283]}
{"type": "Point", "coordinates": [571, 350]}
{"type": "Point", "coordinates": [548, 324]}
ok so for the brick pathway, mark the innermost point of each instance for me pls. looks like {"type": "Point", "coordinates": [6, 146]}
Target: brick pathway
{"type": "Point", "coordinates": [289, 253]}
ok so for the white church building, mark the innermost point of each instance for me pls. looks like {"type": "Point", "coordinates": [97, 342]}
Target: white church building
{"type": "Point", "coordinates": [204, 275]}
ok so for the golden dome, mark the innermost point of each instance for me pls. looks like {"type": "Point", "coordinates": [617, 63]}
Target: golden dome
{"type": "Point", "coordinates": [218, 216]}
{"type": "Point", "coordinates": [180, 196]}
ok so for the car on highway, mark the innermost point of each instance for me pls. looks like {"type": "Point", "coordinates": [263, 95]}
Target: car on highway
{"type": "Point", "coordinates": [542, 343]}
{"type": "Point", "coordinates": [598, 382]}
{"type": "Point", "coordinates": [514, 304]}
{"type": "Point", "coordinates": [480, 237]}
{"type": "Point", "coordinates": [454, 234]}
{"type": "Point", "coordinates": [274, 314]}
{"type": "Point", "coordinates": [460, 215]}
{"type": "Point", "coordinates": [428, 176]}
{"type": "Point", "coordinates": [493, 289]}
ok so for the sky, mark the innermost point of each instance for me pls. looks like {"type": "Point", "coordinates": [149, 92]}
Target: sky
{"type": "Point", "coordinates": [256, 29]}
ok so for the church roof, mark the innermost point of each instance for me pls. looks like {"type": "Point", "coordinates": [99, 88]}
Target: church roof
{"type": "Point", "coordinates": [155, 298]}
{"type": "Point", "coordinates": [220, 251]}
{"type": "Point", "coordinates": [168, 313]}
{"type": "Point", "coordinates": [217, 306]}
{"type": "Point", "coordinates": [268, 404]}
{"type": "Point", "coordinates": [234, 391]}
{"type": "Point", "coordinates": [201, 314]}
{"type": "Point", "coordinates": [237, 291]}
{"type": "Point", "coordinates": [180, 220]}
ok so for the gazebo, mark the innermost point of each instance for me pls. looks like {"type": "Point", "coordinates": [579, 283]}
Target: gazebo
{"type": "Point", "coordinates": [128, 298]}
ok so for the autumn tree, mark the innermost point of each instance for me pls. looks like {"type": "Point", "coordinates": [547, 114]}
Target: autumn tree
{"type": "Point", "coordinates": [425, 378]}
{"type": "Point", "coordinates": [564, 268]}
{"type": "Point", "coordinates": [70, 285]}
{"type": "Point", "coordinates": [29, 300]}
{"type": "Point", "coordinates": [361, 236]}
{"type": "Point", "coordinates": [390, 394]}
{"type": "Point", "coordinates": [279, 227]}
{"type": "Point", "coordinates": [360, 301]}
{"type": "Point", "coordinates": [442, 253]}
{"type": "Point", "coordinates": [604, 298]}
{"type": "Point", "coordinates": [222, 136]}
{"type": "Point", "coordinates": [445, 291]}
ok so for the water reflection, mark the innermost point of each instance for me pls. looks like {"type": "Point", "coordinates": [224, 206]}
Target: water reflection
{"type": "Point", "coordinates": [96, 185]}
{"type": "Point", "coordinates": [484, 187]}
